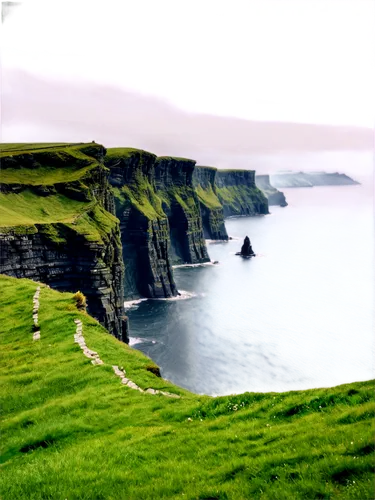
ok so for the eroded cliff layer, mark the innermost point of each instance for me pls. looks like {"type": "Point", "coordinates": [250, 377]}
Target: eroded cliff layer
{"type": "Point", "coordinates": [56, 224]}
{"type": "Point", "coordinates": [145, 232]}
{"type": "Point", "coordinates": [174, 184]}
{"type": "Point", "coordinates": [211, 208]}
{"type": "Point", "coordinates": [238, 194]}
{"type": "Point", "coordinates": [274, 196]}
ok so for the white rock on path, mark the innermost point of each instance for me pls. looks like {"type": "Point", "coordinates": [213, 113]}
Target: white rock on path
{"type": "Point", "coordinates": [36, 304]}
{"type": "Point", "coordinates": [121, 373]}
{"type": "Point", "coordinates": [95, 360]}
{"type": "Point", "coordinates": [79, 339]}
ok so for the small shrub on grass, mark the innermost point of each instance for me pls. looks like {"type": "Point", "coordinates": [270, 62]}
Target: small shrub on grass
{"type": "Point", "coordinates": [153, 369]}
{"type": "Point", "coordinates": [80, 300]}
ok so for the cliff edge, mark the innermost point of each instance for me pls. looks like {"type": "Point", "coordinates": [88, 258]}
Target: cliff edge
{"type": "Point", "coordinates": [57, 224]}
{"type": "Point", "coordinates": [274, 196]}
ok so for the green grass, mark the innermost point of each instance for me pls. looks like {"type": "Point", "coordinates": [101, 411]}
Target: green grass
{"type": "Point", "coordinates": [44, 175]}
{"type": "Point", "coordinates": [52, 186]}
{"type": "Point", "coordinates": [141, 195]}
{"type": "Point", "coordinates": [237, 197]}
{"type": "Point", "coordinates": [6, 147]}
{"type": "Point", "coordinates": [39, 164]}
{"type": "Point", "coordinates": [70, 430]}
{"type": "Point", "coordinates": [126, 152]}
{"type": "Point", "coordinates": [177, 158]}
{"type": "Point", "coordinates": [208, 197]}
{"type": "Point", "coordinates": [27, 208]}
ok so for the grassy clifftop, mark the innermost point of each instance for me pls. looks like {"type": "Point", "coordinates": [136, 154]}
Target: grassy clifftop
{"type": "Point", "coordinates": [73, 430]}
{"type": "Point", "coordinates": [45, 184]}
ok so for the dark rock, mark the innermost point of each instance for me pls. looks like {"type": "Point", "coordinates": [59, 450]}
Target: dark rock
{"type": "Point", "coordinates": [246, 249]}
{"type": "Point", "coordinates": [125, 329]}
{"type": "Point", "coordinates": [154, 369]}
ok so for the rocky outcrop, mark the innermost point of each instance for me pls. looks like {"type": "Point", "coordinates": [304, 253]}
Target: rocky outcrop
{"type": "Point", "coordinates": [174, 185]}
{"type": "Point", "coordinates": [211, 208]}
{"type": "Point", "coordinates": [238, 194]}
{"type": "Point", "coordinates": [145, 232]}
{"type": "Point", "coordinates": [246, 249]}
{"type": "Point", "coordinates": [57, 228]}
{"type": "Point", "coordinates": [274, 196]}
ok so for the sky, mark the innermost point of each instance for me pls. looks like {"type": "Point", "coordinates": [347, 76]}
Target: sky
{"type": "Point", "coordinates": [66, 95]}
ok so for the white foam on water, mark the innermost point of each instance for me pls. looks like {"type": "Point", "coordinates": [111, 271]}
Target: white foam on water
{"type": "Point", "coordinates": [194, 265]}
{"type": "Point", "coordinates": [184, 295]}
{"type": "Point", "coordinates": [136, 340]}
{"type": "Point", "coordinates": [132, 304]}
{"type": "Point", "coordinates": [216, 242]}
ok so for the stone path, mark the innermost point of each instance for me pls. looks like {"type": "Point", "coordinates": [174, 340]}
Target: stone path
{"type": "Point", "coordinates": [36, 335]}
{"type": "Point", "coordinates": [79, 339]}
{"type": "Point", "coordinates": [95, 360]}
{"type": "Point", "coordinates": [121, 373]}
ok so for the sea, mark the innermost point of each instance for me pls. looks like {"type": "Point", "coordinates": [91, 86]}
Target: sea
{"type": "Point", "coordinates": [299, 315]}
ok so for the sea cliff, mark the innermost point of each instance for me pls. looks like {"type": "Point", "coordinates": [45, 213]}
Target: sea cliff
{"type": "Point", "coordinates": [112, 222]}
{"type": "Point", "coordinates": [211, 208]}
{"type": "Point", "coordinates": [174, 184]}
{"type": "Point", "coordinates": [238, 193]}
{"type": "Point", "coordinates": [57, 224]}
{"type": "Point", "coordinates": [145, 231]}
{"type": "Point", "coordinates": [274, 196]}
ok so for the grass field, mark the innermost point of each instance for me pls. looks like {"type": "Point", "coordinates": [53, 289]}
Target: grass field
{"type": "Point", "coordinates": [41, 165]}
{"type": "Point", "coordinates": [7, 147]}
{"type": "Point", "coordinates": [71, 430]}
{"type": "Point", "coordinates": [28, 208]}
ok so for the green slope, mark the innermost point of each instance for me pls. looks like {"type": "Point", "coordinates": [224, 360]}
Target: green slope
{"type": "Point", "coordinates": [71, 430]}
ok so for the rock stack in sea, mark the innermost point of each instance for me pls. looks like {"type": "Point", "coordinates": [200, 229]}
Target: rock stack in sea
{"type": "Point", "coordinates": [246, 249]}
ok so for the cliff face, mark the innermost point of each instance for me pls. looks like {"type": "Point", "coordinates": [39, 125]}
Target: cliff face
{"type": "Point", "coordinates": [174, 184]}
{"type": "Point", "coordinates": [211, 208]}
{"type": "Point", "coordinates": [238, 194]}
{"type": "Point", "coordinates": [274, 196]}
{"type": "Point", "coordinates": [144, 226]}
{"type": "Point", "coordinates": [57, 226]}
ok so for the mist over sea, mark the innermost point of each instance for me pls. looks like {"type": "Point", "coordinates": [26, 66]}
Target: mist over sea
{"type": "Point", "coordinates": [297, 316]}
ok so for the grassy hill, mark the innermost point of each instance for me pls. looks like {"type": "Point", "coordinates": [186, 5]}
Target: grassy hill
{"type": "Point", "coordinates": [72, 430]}
{"type": "Point", "coordinates": [46, 183]}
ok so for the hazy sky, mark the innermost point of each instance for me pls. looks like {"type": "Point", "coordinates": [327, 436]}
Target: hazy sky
{"type": "Point", "coordinates": [66, 95]}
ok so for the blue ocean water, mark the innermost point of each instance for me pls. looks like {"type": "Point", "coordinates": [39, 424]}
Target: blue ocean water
{"type": "Point", "coordinates": [297, 316]}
